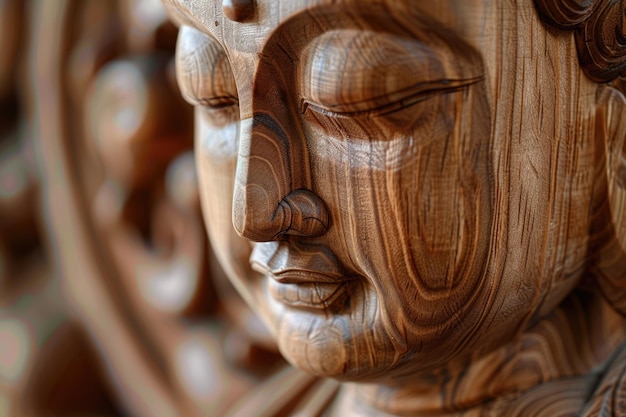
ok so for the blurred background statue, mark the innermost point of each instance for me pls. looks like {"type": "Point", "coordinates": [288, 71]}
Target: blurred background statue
{"type": "Point", "coordinates": [112, 303]}
{"type": "Point", "coordinates": [46, 366]}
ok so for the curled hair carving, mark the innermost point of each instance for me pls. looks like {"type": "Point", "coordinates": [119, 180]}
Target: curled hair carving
{"type": "Point", "coordinates": [600, 32]}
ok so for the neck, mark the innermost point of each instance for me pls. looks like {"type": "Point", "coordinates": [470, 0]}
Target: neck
{"type": "Point", "coordinates": [559, 358]}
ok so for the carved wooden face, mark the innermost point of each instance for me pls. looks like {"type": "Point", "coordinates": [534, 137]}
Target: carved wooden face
{"type": "Point", "coordinates": [413, 199]}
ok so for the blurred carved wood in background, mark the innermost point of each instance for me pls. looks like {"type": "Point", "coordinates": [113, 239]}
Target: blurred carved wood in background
{"type": "Point", "coordinates": [47, 366]}
{"type": "Point", "coordinates": [135, 317]}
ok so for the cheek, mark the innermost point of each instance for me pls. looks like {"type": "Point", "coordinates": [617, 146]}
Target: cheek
{"type": "Point", "coordinates": [443, 217]}
{"type": "Point", "coordinates": [216, 161]}
{"type": "Point", "coordinates": [448, 192]}
{"type": "Point", "coordinates": [448, 215]}
{"type": "Point", "coordinates": [216, 158]}
{"type": "Point", "coordinates": [395, 188]}
{"type": "Point", "coordinates": [411, 211]}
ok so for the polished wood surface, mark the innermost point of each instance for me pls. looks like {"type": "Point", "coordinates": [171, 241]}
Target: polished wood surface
{"type": "Point", "coordinates": [434, 193]}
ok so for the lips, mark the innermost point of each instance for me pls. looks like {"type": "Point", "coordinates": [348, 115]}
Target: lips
{"type": "Point", "coordinates": [302, 277]}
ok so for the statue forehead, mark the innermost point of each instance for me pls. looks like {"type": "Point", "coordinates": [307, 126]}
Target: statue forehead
{"type": "Point", "coordinates": [209, 16]}
{"type": "Point", "coordinates": [244, 41]}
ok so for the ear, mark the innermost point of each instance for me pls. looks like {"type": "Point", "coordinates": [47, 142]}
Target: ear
{"type": "Point", "coordinates": [607, 249]}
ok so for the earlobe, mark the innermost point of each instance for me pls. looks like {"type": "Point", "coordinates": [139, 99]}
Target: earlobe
{"type": "Point", "coordinates": [608, 226]}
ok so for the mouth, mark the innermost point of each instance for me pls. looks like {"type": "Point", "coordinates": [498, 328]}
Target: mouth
{"type": "Point", "coordinates": [302, 277]}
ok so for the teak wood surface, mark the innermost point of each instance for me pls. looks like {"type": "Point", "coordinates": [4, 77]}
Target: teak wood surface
{"type": "Point", "coordinates": [435, 193]}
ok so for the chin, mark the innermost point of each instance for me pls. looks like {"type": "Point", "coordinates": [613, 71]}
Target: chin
{"type": "Point", "coordinates": [329, 345]}
{"type": "Point", "coordinates": [335, 359]}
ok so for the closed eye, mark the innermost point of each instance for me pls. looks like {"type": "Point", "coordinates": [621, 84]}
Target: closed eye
{"type": "Point", "coordinates": [351, 72]}
{"type": "Point", "coordinates": [203, 71]}
{"type": "Point", "coordinates": [217, 102]}
{"type": "Point", "coordinates": [378, 106]}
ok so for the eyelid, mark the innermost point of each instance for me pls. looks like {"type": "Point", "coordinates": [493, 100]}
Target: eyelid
{"type": "Point", "coordinates": [391, 102]}
{"type": "Point", "coordinates": [203, 71]}
{"type": "Point", "coordinates": [355, 71]}
{"type": "Point", "coordinates": [217, 102]}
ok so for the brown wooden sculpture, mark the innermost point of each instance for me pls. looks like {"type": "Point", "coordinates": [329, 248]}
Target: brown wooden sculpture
{"type": "Point", "coordinates": [436, 192]}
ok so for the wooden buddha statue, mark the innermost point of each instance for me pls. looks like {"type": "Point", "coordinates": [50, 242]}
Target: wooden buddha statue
{"type": "Point", "coordinates": [434, 194]}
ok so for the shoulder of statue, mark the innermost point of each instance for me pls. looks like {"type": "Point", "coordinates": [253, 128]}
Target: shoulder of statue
{"type": "Point", "coordinates": [609, 397]}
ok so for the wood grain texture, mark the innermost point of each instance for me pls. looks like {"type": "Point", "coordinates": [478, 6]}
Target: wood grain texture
{"type": "Point", "coordinates": [435, 193]}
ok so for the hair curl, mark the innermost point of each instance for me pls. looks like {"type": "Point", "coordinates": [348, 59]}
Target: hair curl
{"type": "Point", "coordinates": [600, 32]}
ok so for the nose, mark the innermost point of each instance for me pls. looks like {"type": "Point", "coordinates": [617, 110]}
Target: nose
{"type": "Point", "coordinates": [273, 195]}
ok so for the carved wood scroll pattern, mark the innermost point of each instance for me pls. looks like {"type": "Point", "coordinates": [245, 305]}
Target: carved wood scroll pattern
{"type": "Point", "coordinates": [600, 33]}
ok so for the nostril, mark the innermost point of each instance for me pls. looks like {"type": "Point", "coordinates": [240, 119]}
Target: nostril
{"type": "Point", "coordinates": [272, 197]}
{"type": "Point", "coordinates": [303, 213]}
{"type": "Point", "coordinates": [300, 213]}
